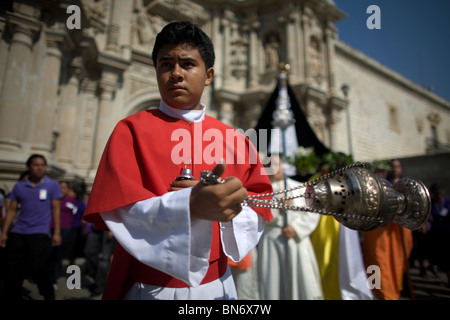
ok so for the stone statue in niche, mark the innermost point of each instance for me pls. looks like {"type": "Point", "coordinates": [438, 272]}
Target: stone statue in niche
{"type": "Point", "coordinates": [239, 58]}
{"type": "Point", "coordinates": [271, 52]}
{"type": "Point", "coordinates": [315, 60]}
{"type": "Point", "coordinates": [145, 27]}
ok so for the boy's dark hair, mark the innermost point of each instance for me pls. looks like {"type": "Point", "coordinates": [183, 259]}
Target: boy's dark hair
{"type": "Point", "coordinates": [34, 156]}
{"type": "Point", "coordinates": [184, 32]}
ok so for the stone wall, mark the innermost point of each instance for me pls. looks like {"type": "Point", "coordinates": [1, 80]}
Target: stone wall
{"type": "Point", "coordinates": [389, 115]}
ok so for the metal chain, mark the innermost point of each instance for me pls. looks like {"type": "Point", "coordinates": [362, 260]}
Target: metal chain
{"type": "Point", "coordinates": [255, 201]}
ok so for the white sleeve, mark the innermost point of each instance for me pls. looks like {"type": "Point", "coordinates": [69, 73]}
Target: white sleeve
{"type": "Point", "coordinates": [240, 235]}
{"type": "Point", "coordinates": [159, 232]}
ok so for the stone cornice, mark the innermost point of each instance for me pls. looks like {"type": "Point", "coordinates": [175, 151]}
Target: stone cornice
{"type": "Point", "coordinates": [179, 9]}
{"type": "Point", "coordinates": [112, 62]}
{"type": "Point", "coordinates": [59, 39]}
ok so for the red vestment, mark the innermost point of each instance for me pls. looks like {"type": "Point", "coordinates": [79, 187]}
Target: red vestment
{"type": "Point", "coordinates": [138, 163]}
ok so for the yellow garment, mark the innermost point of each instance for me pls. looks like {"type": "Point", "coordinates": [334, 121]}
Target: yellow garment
{"type": "Point", "coordinates": [325, 240]}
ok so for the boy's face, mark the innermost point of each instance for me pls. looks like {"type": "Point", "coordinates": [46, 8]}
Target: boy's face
{"type": "Point", "coordinates": [182, 76]}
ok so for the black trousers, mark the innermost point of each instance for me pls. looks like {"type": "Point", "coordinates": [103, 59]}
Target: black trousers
{"type": "Point", "coordinates": [27, 258]}
{"type": "Point", "coordinates": [98, 251]}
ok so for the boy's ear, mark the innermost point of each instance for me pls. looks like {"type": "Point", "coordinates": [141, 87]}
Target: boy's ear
{"type": "Point", "coordinates": [209, 76]}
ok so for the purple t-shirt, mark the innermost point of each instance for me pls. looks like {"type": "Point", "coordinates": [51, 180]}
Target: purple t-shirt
{"type": "Point", "coordinates": [35, 205]}
{"type": "Point", "coordinates": [68, 210]}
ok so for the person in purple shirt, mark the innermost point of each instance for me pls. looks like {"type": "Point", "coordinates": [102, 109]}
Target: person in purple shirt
{"type": "Point", "coordinates": [68, 209]}
{"type": "Point", "coordinates": [28, 239]}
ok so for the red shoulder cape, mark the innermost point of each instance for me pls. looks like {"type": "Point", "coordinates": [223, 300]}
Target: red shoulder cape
{"type": "Point", "coordinates": [137, 163]}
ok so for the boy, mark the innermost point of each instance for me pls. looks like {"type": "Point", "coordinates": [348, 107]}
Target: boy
{"type": "Point", "coordinates": [173, 237]}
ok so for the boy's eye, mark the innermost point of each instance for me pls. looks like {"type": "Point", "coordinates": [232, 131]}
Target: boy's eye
{"type": "Point", "coordinates": [165, 65]}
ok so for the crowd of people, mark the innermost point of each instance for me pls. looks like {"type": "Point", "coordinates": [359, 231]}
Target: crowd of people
{"type": "Point", "coordinates": [41, 226]}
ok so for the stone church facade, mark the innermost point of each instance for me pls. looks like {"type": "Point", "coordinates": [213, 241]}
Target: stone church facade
{"type": "Point", "coordinates": [63, 88]}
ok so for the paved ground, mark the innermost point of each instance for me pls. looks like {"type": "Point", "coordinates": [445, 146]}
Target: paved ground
{"type": "Point", "coordinates": [430, 287]}
{"type": "Point", "coordinates": [62, 291]}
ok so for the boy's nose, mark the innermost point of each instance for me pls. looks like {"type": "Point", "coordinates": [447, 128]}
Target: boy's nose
{"type": "Point", "coordinates": [176, 73]}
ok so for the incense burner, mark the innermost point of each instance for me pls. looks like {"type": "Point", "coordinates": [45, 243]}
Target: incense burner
{"type": "Point", "coordinates": [363, 201]}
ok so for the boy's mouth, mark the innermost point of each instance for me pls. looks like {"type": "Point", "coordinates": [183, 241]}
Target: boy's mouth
{"type": "Point", "coordinates": [176, 88]}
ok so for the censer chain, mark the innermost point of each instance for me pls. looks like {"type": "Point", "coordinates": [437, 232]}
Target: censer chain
{"type": "Point", "coordinates": [255, 201]}
{"type": "Point", "coordinates": [280, 203]}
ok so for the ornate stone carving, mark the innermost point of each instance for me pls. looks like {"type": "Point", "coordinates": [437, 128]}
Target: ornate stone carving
{"type": "Point", "coordinates": [145, 26]}
{"type": "Point", "coordinates": [315, 60]}
{"type": "Point", "coordinates": [239, 58]}
{"type": "Point", "coordinates": [96, 14]}
{"type": "Point", "coordinates": [434, 118]}
{"type": "Point", "coordinates": [271, 51]}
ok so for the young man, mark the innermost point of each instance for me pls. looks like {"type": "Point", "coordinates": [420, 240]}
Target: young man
{"type": "Point", "coordinates": [173, 237]}
{"type": "Point", "coordinates": [28, 241]}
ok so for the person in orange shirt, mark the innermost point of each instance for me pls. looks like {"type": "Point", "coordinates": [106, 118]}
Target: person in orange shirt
{"type": "Point", "coordinates": [389, 248]}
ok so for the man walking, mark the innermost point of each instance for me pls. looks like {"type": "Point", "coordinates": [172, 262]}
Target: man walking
{"type": "Point", "coordinates": [27, 240]}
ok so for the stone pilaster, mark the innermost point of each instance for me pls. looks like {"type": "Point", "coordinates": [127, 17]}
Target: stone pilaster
{"type": "Point", "coordinates": [217, 39]}
{"type": "Point", "coordinates": [292, 38]}
{"type": "Point", "coordinates": [333, 115]}
{"type": "Point", "coordinates": [227, 54]}
{"type": "Point", "coordinates": [42, 127]}
{"type": "Point", "coordinates": [112, 43]}
{"type": "Point", "coordinates": [253, 74]}
{"type": "Point", "coordinates": [24, 30]}
{"type": "Point", "coordinates": [104, 119]}
{"type": "Point", "coordinates": [68, 116]}
{"type": "Point", "coordinates": [330, 36]}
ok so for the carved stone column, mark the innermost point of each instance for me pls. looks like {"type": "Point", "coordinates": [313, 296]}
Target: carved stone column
{"type": "Point", "coordinates": [253, 53]}
{"type": "Point", "coordinates": [104, 118]}
{"type": "Point", "coordinates": [68, 116]}
{"type": "Point", "coordinates": [226, 50]}
{"type": "Point", "coordinates": [42, 125]}
{"type": "Point", "coordinates": [330, 35]}
{"type": "Point", "coordinates": [88, 115]}
{"type": "Point", "coordinates": [292, 38]}
{"type": "Point", "coordinates": [219, 50]}
{"type": "Point", "coordinates": [305, 44]}
{"type": "Point", "coordinates": [24, 30]}
{"type": "Point", "coordinates": [112, 43]}
{"type": "Point", "coordinates": [333, 115]}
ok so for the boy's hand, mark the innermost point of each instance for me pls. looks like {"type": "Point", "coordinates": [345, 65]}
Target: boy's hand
{"type": "Point", "coordinates": [218, 202]}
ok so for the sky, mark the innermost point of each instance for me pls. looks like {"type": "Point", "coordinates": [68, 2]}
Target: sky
{"type": "Point", "coordinates": [413, 39]}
